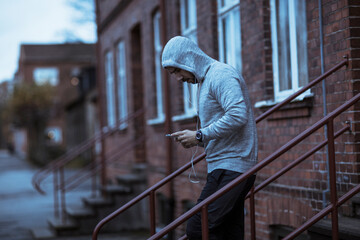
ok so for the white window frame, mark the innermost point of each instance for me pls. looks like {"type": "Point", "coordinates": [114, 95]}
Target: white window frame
{"type": "Point", "coordinates": [43, 75]}
{"type": "Point", "coordinates": [122, 85]}
{"type": "Point", "coordinates": [230, 49]}
{"type": "Point", "coordinates": [160, 116]}
{"type": "Point", "coordinates": [110, 90]}
{"type": "Point", "coordinates": [189, 30]}
{"type": "Point", "coordinates": [278, 94]}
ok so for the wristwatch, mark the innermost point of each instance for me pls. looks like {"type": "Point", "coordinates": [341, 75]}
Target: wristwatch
{"type": "Point", "coordinates": [199, 135]}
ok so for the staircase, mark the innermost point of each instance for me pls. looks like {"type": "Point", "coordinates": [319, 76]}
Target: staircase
{"type": "Point", "coordinates": [81, 220]}
{"type": "Point", "coordinates": [332, 208]}
{"type": "Point", "coordinates": [349, 225]}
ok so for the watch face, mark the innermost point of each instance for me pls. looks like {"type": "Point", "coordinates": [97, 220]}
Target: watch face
{"type": "Point", "coordinates": [198, 135]}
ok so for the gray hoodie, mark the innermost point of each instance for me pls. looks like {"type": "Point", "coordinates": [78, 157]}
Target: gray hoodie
{"type": "Point", "coordinates": [225, 111]}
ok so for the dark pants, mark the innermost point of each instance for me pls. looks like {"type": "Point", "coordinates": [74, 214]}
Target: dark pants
{"type": "Point", "coordinates": [226, 214]}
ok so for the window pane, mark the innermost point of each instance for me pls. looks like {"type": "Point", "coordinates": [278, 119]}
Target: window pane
{"type": "Point", "coordinates": [301, 37]}
{"type": "Point", "coordinates": [110, 89]}
{"type": "Point", "coordinates": [46, 75]}
{"type": "Point", "coordinates": [224, 39]}
{"type": "Point", "coordinates": [189, 25]}
{"type": "Point", "coordinates": [230, 38]}
{"type": "Point", "coordinates": [122, 96]}
{"type": "Point", "coordinates": [222, 3]}
{"type": "Point", "coordinates": [228, 3]}
{"type": "Point", "coordinates": [283, 38]}
{"type": "Point", "coordinates": [186, 11]}
{"type": "Point", "coordinates": [158, 49]}
{"type": "Point", "coordinates": [192, 13]}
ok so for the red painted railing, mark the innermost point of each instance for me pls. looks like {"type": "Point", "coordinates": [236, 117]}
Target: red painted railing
{"type": "Point", "coordinates": [61, 185]}
{"type": "Point", "coordinates": [204, 204]}
{"type": "Point", "coordinates": [335, 203]}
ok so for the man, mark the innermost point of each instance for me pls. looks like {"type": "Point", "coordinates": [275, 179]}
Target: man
{"type": "Point", "coordinates": [228, 133]}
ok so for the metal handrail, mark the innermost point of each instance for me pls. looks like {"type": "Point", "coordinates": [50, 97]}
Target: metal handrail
{"type": "Point", "coordinates": [82, 147]}
{"type": "Point", "coordinates": [72, 183]}
{"type": "Point", "coordinates": [151, 190]}
{"type": "Point", "coordinates": [303, 89]}
{"type": "Point", "coordinates": [65, 186]}
{"type": "Point", "coordinates": [296, 162]}
{"type": "Point", "coordinates": [60, 186]}
{"type": "Point", "coordinates": [203, 205]}
{"type": "Point", "coordinates": [323, 213]}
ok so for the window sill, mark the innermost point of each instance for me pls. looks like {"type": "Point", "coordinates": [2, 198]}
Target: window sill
{"type": "Point", "coordinates": [298, 108]}
{"type": "Point", "coordinates": [156, 121]}
{"type": "Point", "coordinates": [185, 116]}
{"type": "Point", "coordinates": [116, 129]}
{"type": "Point", "coordinates": [271, 103]}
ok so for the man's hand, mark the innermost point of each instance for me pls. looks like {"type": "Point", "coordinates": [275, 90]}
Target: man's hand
{"type": "Point", "coordinates": [187, 138]}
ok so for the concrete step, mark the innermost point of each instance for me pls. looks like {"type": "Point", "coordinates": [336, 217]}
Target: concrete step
{"type": "Point", "coordinates": [42, 233]}
{"type": "Point", "coordinates": [348, 229]}
{"type": "Point", "coordinates": [86, 219]}
{"type": "Point", "coordinates": [80, 212]}
{"type": "Point", "coordinates": [130, 179]}
{"type": "Point", "coordinates": [116, 189]}
{"type": "Point", "coordinates": [97, 202]}
{"type": "Point", "coordinates": [63, 227]}
{"type": "Point", "coordinates": [140, 168]}
{"type": "Point", "coordinates": [134, 235]}
{"type": "Point", "coordinates": [356, 206]}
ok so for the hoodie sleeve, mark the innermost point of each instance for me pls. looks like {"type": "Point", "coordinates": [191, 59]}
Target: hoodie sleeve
{"type": "Point", "coordinates": [230, 97]}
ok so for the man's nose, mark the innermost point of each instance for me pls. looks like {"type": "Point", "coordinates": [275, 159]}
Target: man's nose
{"type": "Point", "coordinates": [179, 78]}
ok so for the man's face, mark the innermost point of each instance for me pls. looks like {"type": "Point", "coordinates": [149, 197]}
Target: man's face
{"type": "Point", "coordinates": [182, 75]}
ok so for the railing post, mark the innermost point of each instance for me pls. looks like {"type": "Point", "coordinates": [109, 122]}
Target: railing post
{"type": "Point", "coordinates": [332, 173]}
{"type": "Point", "coordinates": [252, 214]}
{"type": "Point", "coordinates": [103, 162]}
{"type": "Point", "coordinates": [93, 170]}
{"type": "Point", "coordinates": [62, 194]}
{"type": "Point", "coordinates": [204, 223]}
{"type": "Point", "coordinates": [56, 193]}
{"type": "Point", "coordinates": [152, 213]}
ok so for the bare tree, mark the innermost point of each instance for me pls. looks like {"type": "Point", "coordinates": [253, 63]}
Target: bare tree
{"type": "Point", "coordinates": [85, 11]}
{"type": "Point", "coordinates": [84, 16]}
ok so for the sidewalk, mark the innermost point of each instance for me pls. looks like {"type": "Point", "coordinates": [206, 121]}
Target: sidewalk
{"type": "Point", "coordinates": [22, 208]}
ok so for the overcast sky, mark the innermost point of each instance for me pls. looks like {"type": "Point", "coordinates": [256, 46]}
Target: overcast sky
{"type": "Point", "coordinates": [36, 21]}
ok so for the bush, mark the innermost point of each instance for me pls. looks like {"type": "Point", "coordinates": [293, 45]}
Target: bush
{"type": "Point", "coordinates": [30, 106]}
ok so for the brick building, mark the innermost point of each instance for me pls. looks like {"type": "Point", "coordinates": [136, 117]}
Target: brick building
{"type": "Point", "coordinates": [278, 46]}
{"type": "Point", "coordinates": [70, 68]}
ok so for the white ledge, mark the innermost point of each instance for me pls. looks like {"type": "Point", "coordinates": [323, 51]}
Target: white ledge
{"type": "Point", "coordinates": [270, 103]}
{"type": "Point", "coordinates": [158, 120]}
{"type": "Point", "coordinates": [184, 116]}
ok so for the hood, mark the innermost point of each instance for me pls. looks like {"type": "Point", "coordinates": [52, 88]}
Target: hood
{"type": "Point", "coordinates": [181, 52]}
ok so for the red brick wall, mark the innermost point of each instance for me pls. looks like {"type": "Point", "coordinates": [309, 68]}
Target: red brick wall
{"type": "Point", "coordinates": [296, 196]}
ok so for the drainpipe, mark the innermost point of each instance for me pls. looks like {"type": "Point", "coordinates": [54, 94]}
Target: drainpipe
{"type": "Point", "coordinates": [324, 202]}
{"type": "Point", "coordinates": [101, 96]}
{"type": "Point", "coordinates": [168, 121]}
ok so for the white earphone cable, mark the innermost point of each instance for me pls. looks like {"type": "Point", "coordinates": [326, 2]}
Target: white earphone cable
{"type": "Point", "coordinates": [193, 171]}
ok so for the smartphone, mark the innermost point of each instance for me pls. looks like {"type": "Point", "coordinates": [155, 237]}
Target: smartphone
{"type": "Point", "coordinates": [169, 135]}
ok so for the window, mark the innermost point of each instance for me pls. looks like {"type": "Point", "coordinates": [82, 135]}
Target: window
{"type": "Point", "coordinates": [122, 89]}
{"type": "Point", "coordinates": [110, 86]}
{"type": "Point", "coordinates": [188, 19]}
{"type": "Point", "coordinates": [188, 29]}
{"type": "Point", "coordinates": [288, 37]}
{"type": "Point", "coordinates": [44, 75]}
{"type": "Point", "coordinates": [160, 116]}
{"type": "Point", "coordinates": [229, 32]}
